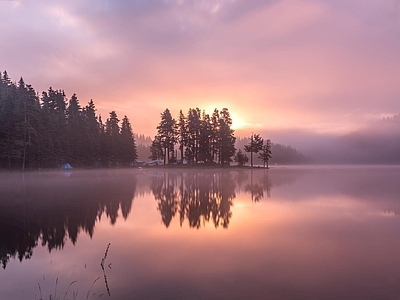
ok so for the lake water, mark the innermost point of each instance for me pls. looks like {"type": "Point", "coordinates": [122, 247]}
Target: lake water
{"type": "Point", "coordinates": [283, 233]}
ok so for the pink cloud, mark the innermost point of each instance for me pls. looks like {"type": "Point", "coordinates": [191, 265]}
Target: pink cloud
{"type": "Point", "coordinates": [276, 64]}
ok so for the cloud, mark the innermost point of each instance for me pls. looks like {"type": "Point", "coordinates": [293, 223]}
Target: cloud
{"type": "Point", "coordinates": [318, 66]}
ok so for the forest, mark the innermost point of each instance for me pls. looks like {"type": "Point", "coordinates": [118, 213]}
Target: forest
{"type": "Point", "coordinates": [198, 137]}
{"type": "Point", "coordinates": [49, 130]}
{"type": "Point", "coordinates": [201, 138]}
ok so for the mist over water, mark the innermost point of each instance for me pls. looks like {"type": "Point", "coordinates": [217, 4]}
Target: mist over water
{"type": "Point", "coordinates": [283, 233]}
{"type": "Point", "coordinates": [376, 142]}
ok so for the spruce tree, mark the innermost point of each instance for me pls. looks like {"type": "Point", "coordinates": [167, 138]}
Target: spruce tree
{"type": "Point", "coordinates": [241, 158]}
{"type": "Point", "coordinates": [166, 134]}
{"type": "Point", "coordinates": [74, 132]}
{"type": "Point", "coordinates": [156, 149]}
{"type": "Point", "coordinates": [193, 134]}
{"type": "Point", "coordinates": [91, 155]}
{"type": "Point", "coordinates": [254, 146]}
{"type": "Point", "coordinates": [181, 132]}
{"type": "Point", "coordinates": [266, 153]}
{"type": "Point", "coordinates": [128, 150]}
{"type": "Point", "coordinates": [215, 136]}
{"type": "Point", "coordinates": [205, 139]}
{"type": "Point", "coordinates": [227, 138]}
{"type": "Point", "coordinates": [112, 131]}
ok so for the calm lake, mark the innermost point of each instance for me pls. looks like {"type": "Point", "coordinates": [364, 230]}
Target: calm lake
{"type": "Point", "coordinates": [283, 233]}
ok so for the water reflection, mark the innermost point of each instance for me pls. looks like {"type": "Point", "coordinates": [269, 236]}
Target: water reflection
{"type": "Point", "coordinates": [50, 209]}
{"type": "Point", "coordinates": [289, 233]}
{"type": "Point", "coordinates": [196, 197]}
{"type": "Point", "coordinates": [256, 189]}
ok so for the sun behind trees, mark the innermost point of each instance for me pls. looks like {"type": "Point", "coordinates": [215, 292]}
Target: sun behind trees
{"type": "Point", "coordinates": [48, 131]}
{"type": "Point", "coordinates": [202, 138]}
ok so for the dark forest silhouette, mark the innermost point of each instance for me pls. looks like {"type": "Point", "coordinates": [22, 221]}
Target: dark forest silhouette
{"type": "Point", "coordinates": [48, 131]}
{"type": "Point", "coordinates": [201, 138]}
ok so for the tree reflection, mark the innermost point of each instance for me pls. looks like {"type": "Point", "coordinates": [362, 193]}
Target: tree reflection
{"type": "Point", "coordinates": [166, 196]}
{"type": "Point", "coordinates": [53, 209]}
{"type": "Point", "coordinates": [199, 197]}
{"type": "Point", "coordinates": [257, 187]}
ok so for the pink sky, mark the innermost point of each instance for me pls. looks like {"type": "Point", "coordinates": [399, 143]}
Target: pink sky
{"type": "Point", "coordinates": [315, 65]}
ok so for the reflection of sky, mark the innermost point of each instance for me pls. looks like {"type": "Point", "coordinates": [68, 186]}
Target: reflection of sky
{"type": "Point", "coordinates": [314, 238]}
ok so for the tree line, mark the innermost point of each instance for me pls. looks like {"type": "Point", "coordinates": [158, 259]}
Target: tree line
{"type": "Point", "coordinates": [201, 138]}
{"type": "Point", "coordinates": [49, 130]}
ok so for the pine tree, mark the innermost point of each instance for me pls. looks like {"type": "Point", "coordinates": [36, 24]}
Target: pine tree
{"type": "Point", "coordinates": [227, 138]}
{"type": "Point", "coordinates": [255, 145]}
{"type": "Point", "coordinates": [91, 155]}
{"type": "Point", "coordinates": [193, 134]}
{"type": "Point", "coordinates": [28, 123]}
{"type": "Point", "coordinates": [57, 125]}
{"type": "Point", "coordinates": [215, 136]}
{"type": "Point", "coordinates": [205, 139]}
{"type": "Point", "coordinates": [112, 132]}
{"type": "Point", "coordinates": [266, 153]}
{"type": "Point", "coordinates": [104, 152]}
{"type": "Point", "coordinates": [166, 134]}
{"type": "Point", "coordinates": [241, 158]}
{"type": "Point", "coordinates": [75, 132]}
{"type": "Point", "coordinates": [128, 150]}
{"type": "Point", "coordinates": [181, 132]}
{"type": "Point", "coordinates": [8, 116]}
{"type": "Point", "coordinates": [156, 149]}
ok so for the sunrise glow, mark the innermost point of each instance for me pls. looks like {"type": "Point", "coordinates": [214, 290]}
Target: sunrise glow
{"type": "Point", "coordinates": [304, 68]}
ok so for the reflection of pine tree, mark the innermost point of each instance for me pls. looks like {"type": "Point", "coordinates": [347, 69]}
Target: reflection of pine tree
{"type": "Point", "coordinates": [168, 205]}
{"type": "Point", "coordinates": [267, 184]}
{"type": "Point", "coordinates": [256, 190]}
{"type": "Point", "coordinates": [241, 178]}
{"type": "Point", "coordinates": [224, 200]}
{"type": "Point", "coordinates": [164, 192]}
{"type": "Point", "coordinates": [199, 197]}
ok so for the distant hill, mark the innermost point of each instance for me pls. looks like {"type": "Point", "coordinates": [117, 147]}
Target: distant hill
{"type": "Point", "coordinates": [378, 143]}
